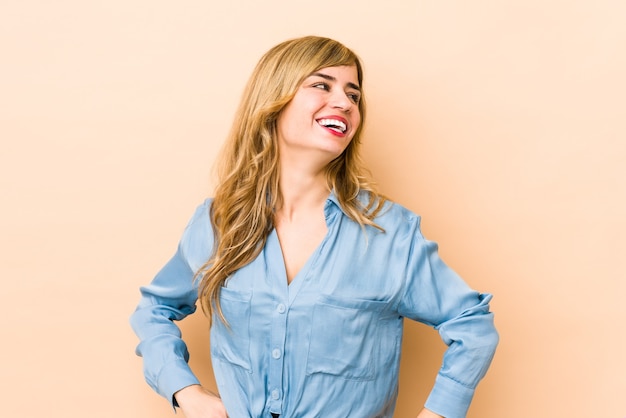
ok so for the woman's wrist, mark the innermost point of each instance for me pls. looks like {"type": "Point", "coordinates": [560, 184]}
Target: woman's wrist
{"type": "Point", "coordinates": [427, 413]}
{"type": "Point", "coordinates": [187, 392]}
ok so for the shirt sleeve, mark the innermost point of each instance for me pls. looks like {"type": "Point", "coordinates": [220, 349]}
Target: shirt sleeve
{"type": "Point", "coordinates": [171, 296]}
{"type": "Point", "coordinates": [435, 295]}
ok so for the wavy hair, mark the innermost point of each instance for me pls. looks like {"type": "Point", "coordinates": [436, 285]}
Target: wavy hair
{"type": "Point", "coordinates": [242, 212]}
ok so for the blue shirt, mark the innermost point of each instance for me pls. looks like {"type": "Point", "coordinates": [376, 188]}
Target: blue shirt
{"type": "Point", "coordinates": [328, 344]}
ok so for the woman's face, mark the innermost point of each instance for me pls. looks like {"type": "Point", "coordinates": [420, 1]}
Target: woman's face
{"type": "Point", "coordinates": [323, 116]}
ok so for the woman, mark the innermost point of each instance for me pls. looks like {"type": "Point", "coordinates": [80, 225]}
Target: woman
{"type": "Point", "coordinates": [304, 270]}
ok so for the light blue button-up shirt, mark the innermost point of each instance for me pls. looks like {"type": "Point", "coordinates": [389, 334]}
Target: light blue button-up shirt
{"type": "Point", "coordinates": [328, 344]}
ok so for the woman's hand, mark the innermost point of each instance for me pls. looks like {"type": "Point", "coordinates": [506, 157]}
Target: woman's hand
{"type": "Point", "coordinates": [197, 402]}
{"type": "Point", "coordinates": [425, 413]}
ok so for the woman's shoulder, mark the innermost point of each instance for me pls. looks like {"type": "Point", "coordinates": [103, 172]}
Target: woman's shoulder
{"type": "Point", "coordinates": [197, 240]}
{"type": "Point", "coordinates": [201, 215]}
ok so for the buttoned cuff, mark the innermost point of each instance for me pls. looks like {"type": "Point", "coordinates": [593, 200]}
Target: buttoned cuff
{"type": "Point", "coordinates": [449, 398]}
{"type": "Point", "coordinates": [174, 377]}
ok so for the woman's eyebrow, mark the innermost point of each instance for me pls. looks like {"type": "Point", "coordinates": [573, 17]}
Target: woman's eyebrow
{"type": "Point", "coordinates": [331, 78]}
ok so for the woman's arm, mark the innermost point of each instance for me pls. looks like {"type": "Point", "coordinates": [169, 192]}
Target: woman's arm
{"type": "Point", "coordinates": [435, 295]}
{"type": "Point", "coordinates": [170, 297]}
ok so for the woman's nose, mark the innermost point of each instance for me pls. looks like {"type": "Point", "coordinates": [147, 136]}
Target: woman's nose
{"type": "Point", "coordinates": [340, 101]}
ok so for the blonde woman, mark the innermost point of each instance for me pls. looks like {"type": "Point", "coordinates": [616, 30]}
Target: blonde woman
{"type": "Point", "coordinates": [305, 271]}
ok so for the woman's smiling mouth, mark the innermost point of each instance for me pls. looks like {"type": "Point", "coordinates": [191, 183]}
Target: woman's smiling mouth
{"type": "Point", "coordinates": [333, 124]}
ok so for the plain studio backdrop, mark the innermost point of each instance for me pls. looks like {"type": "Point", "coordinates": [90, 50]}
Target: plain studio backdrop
{"type": "Point", "coordinates": [501, 123]}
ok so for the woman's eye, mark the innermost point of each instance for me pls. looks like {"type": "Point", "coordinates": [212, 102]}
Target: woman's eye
{"type": "Point", "coordinates": [322, 86]}
{"type": "Point", "coordinates": [354, 97]}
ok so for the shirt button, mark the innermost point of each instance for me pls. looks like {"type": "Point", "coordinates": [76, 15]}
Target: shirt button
{"type": "Point", "coordinates": [276, 353]}
{"type": "Point", "coordinates": [275, 394]}
{"type": "Point", "coordinates": [281, 308]}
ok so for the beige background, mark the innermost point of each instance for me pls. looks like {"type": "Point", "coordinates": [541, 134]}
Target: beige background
{"type": "Point", "coordinates": [501, 122]}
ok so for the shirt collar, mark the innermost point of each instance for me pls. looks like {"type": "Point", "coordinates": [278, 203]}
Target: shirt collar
{"type": "Point", "coordinates": [332, 205]}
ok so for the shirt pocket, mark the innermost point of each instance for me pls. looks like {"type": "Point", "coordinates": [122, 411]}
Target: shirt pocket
{"type": "Point", "coordinates": [232, 343]}
{"type": "Point", "coordinates": [352, 338]}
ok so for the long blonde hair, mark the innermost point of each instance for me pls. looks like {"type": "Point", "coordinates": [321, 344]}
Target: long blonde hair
{"type": "Point", "coordinates": [248, 192]}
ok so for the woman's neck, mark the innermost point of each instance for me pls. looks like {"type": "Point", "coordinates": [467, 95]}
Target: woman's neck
{"type": "Point", "coordinates": [303, 192]}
